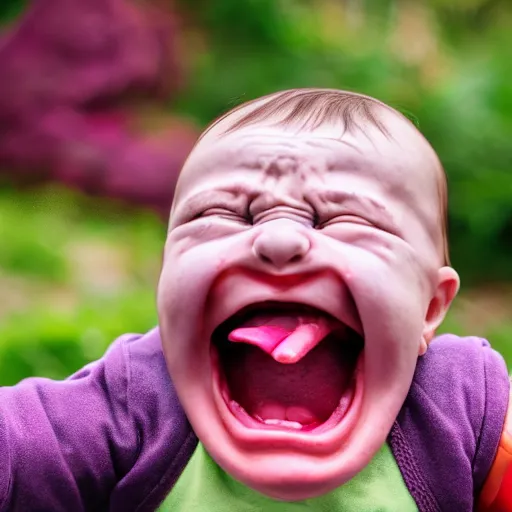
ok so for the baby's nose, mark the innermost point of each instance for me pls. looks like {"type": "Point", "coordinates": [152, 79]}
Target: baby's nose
{"type": "Point", "coordinates": [281, 243]}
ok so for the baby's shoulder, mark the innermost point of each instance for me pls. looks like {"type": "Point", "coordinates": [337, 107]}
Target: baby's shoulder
{"type": "Point", "coordinates": [453, 363]}
{"type": "Point", "coordinates": [466, 382]}
{"type": "Point", "coordinates": [453, 416]}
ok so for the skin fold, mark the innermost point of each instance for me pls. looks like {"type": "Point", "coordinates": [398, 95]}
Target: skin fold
{"type": "Point", "coordinates": [347, 222]}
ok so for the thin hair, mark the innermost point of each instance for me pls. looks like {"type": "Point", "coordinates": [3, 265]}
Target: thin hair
{"type": "Point", "coordinates": [308, 109]}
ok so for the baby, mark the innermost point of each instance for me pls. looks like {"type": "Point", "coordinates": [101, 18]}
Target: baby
{"type": "Point", "coordinates": [304, 277]}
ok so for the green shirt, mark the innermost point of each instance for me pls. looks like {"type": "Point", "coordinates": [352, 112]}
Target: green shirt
{"type": "Point", "coordinates": [205, 487]}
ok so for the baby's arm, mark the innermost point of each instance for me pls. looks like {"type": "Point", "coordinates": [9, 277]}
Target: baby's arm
{"type": "Point", "coordinates": [496, 495]}
{"type": "Point", "coordinates": [64, 445]}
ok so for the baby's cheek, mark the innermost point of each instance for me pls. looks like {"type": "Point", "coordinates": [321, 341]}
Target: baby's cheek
{"type": "Point", "coordinates": [196, 253]}
{"type": "Point", "coordinates": [392, 262]}
{"type": "Point", "coordinates": [203, 231]}
{"type": "Point", "coordinates": [367, 241]}
{"type": "Point", "coordinates": [385, 279]}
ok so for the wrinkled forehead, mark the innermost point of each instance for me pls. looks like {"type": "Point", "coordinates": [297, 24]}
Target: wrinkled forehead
{"type": "Point", "coordinates": [397, 157]}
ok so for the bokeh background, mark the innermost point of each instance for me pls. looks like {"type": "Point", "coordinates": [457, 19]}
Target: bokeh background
{"type": "Point", "coordinates": [100, 102]}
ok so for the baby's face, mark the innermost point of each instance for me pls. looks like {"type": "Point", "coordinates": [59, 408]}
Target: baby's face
{"type": "Point", "coordinates": [300, 282]}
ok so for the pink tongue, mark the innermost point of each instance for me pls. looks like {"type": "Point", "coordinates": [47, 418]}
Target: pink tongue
{"type": "Point", "coordinates": [287, 339]}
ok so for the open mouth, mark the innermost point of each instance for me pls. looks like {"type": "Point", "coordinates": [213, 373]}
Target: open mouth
{"type": "Point", "coordinates": [287, 366]}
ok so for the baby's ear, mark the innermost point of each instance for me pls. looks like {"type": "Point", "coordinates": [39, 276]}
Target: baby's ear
{"type": "Point", "coordinates": [447, 287]}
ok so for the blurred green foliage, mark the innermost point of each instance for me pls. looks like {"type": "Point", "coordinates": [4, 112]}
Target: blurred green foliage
{"type": "Point", "coordinates": [76, 273]}
{"type": "Point", "coordinates": [10, 10]}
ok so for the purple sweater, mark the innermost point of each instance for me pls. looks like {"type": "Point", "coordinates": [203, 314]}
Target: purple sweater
{"type": "Point", "coordinates": [107, 438]}
{"type": "Point", "coordinates": [114, 436]}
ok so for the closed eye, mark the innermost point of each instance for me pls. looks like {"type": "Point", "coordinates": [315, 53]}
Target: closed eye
{"type": "Point", "coordinates": [352, 219]}
{"type": "Point", "coordinates": [223, 213]}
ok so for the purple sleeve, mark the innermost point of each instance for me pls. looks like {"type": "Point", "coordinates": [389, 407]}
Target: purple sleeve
{"type": "Point", "coordinates": [64, 445]}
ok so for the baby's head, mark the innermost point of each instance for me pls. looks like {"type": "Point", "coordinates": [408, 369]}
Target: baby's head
{"type": "Point", "coordinates": [304, 273]}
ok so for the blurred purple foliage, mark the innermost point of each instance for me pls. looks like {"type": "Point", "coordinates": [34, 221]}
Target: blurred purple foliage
{"type": "Point", "coordinates": [72, 73]}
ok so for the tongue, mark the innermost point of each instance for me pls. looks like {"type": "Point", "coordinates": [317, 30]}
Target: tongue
{"type": "Point", "coordinates": [286, 338]}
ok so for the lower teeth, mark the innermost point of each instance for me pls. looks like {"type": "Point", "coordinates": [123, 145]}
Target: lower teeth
{"type": "Point", "coordinates": [283, 423]}
{"type": "Point", "coordinates": [274, 422]}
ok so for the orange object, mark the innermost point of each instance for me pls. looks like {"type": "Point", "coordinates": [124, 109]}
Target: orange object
{"type": "Point", "coordinates": [496, 494]}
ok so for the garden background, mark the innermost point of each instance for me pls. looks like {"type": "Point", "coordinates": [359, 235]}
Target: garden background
{"type": "Point", "coordinates": [87, 164]}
